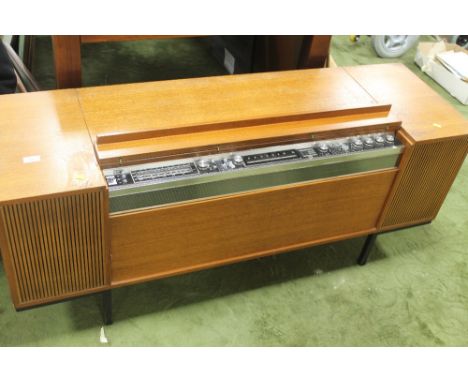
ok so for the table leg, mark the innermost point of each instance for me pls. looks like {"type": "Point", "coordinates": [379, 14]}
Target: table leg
{"type": "Point", "coordinates": [67, 60]}
{"type": "Point", "coordinates": [107, 307]}
{"type": "Point", "coordinates": [366, 249]}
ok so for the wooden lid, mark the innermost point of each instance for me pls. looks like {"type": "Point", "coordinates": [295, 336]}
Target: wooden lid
{"type": "Point", "coordinates": [193, 105]}
{"type": "Point", "coordinates": [45, 146]}
{"type": "Point", "coordinates": [425, 115]}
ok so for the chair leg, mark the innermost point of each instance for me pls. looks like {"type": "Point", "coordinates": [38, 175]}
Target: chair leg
{"type": "Point", "coordinates": [366, 249]}
{"type": "Point", "coordinates": [107, 307]}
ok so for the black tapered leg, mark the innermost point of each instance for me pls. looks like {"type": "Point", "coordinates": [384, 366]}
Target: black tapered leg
{"type": "Point", "coordinates": [107, 307]}
{"type": "Point", "coordinates": [366, 249]}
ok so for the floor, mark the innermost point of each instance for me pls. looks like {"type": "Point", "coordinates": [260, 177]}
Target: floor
{"type": "Point", "coordinates": [413, 291]}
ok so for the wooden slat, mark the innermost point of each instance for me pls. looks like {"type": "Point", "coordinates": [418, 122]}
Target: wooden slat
{"type": "Point", "coordinates": [70, 259]}
{"type": "Point", "coordinates": [90, 244]}
{"type": "Point", "coordinates": [30, 232]}
{"type": "Point", "coordinates": [22, 247]}
{"type": "Point", "coordinates": [14, 245]}
{"type": "Point", "coordinates": [53, 209]}
{"type": "Point", "coordinates": [44, 255]}
{"type": "Point", "coordinates": [72, 243]}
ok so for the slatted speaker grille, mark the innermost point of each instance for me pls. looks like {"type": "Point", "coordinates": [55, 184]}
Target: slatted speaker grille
{"type": "Point", "coordinates": [56, 245]}
{"type": "Point", "coordinates": [425, 182]}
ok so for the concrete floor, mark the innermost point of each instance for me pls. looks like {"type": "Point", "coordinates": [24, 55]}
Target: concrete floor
{"type": "Point", "coordinates": [414, 290]}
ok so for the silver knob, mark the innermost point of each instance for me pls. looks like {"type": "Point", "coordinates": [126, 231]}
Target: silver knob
{"type": "Point", "coordinates": [203, 164]}
{"type": "Point", "coordinates": [389, 139]}
{"type": "Point", "coordinates": [336, 148]}
{"type": "Point", "coordinates": [379, 141]}
{"type": "Point", "coordinates": [238, 159]}
{"type": "Point", "coordinates": [322, 148]}
{"type": "Point", "coordinates": [356, 144]}
{"type": "Point", "coordinates": [368, 143]}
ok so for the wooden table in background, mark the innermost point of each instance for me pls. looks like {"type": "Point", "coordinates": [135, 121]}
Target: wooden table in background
{"type": "Point", "coordinates": [272, 53]}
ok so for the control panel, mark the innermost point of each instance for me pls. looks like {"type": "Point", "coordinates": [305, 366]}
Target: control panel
{"type": "Point", "coordinates": [267, 156]}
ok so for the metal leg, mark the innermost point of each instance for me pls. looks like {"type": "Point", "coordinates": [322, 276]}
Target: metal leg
{"type": "Point", "coordinates": [365, 252]}
{"type": "Point", "coordinates": [107, 307]}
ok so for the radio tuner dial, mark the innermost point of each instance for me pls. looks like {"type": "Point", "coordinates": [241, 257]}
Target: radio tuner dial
{"type": "Point", "coordinates": [322, 148]}
{"type": "Point", "coordinates": [389, 139]}
{"type": "Point", "coordinates": [368, 143]}
{"type": "Point", "coordinates": [203, 164]}
{"type": "Point", "coordinates": [237, 159]}
{"type": "Point", "coordinates": [379, 141]}
{"type": "Point", "coordinates": [336, 148]}
{"type": "Point", "coordinates": [356, 144]}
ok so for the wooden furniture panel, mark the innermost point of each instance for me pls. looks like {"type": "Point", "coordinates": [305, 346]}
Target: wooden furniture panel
{"type": "Point", "coordinates": [425, 115]}
{"type": "Point", "coordinates": [280, 124]}
{"type": "Point", "coordinates": [225, 101]}
{"type": "Point", "coordinates": [184, 237]}
{"type": "Point", "coordinates": [55, 248]}
{"type": "Point", "coordinates": [45, 146]}
{"type": "Point", "coordinates": [422, 187]}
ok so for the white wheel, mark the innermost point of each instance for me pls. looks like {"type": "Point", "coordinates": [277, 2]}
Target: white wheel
{"type": "Point", "coordinates": [393, 46]}
{"type": "Point", "coordinates": [460, 40]}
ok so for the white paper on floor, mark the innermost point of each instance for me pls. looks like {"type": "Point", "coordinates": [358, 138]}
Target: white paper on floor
{"type": "Point", "coordinates": [102, 337]}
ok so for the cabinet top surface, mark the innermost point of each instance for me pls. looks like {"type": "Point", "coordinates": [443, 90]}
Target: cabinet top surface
{"type": "Point", "coordinates": [45, 146]}
{"type": "Point", "coordinates": [227, 99]}
{"type": "Point", "coordinates": [47, 137]}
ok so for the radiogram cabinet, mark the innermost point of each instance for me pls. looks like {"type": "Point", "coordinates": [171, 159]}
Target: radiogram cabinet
{"type": "Point", "coordinates": [109, 186]}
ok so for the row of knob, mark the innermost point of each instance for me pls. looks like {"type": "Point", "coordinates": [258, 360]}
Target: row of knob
{"type": "Point", "coordinates": [228, 162]}
{"type": "Point", "coordinates": [357, 144]}
{"type": "Point", "coordinates": [323, 148]}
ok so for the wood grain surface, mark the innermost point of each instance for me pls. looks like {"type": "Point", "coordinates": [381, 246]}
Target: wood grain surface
{"type": "Point", "coordinates": [51, 154]}
{"type": "Point", "coordinates": [184, 237]}
{"type": "Point", "coordinates": [55, 247]}
{"type": "Point", "coordinates": [46, 147]}
{"type": "Point", "coordinates": [67, 61]}
{"type": "Point", "coordinates": [425, 114]}
{"type": "Point", "coordinates": [158, 106]}
{"type": "Point", "coordinates": [428, 175]}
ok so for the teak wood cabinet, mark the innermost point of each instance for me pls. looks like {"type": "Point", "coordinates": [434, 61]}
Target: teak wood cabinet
{"type": "Point", "coordinates": [59, 239]}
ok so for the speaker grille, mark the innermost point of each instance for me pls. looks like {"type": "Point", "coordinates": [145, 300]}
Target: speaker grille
{"type": "Point", "coordinates": [425, 182]}
{"type": "Point", "coordinates": [56, 246]}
